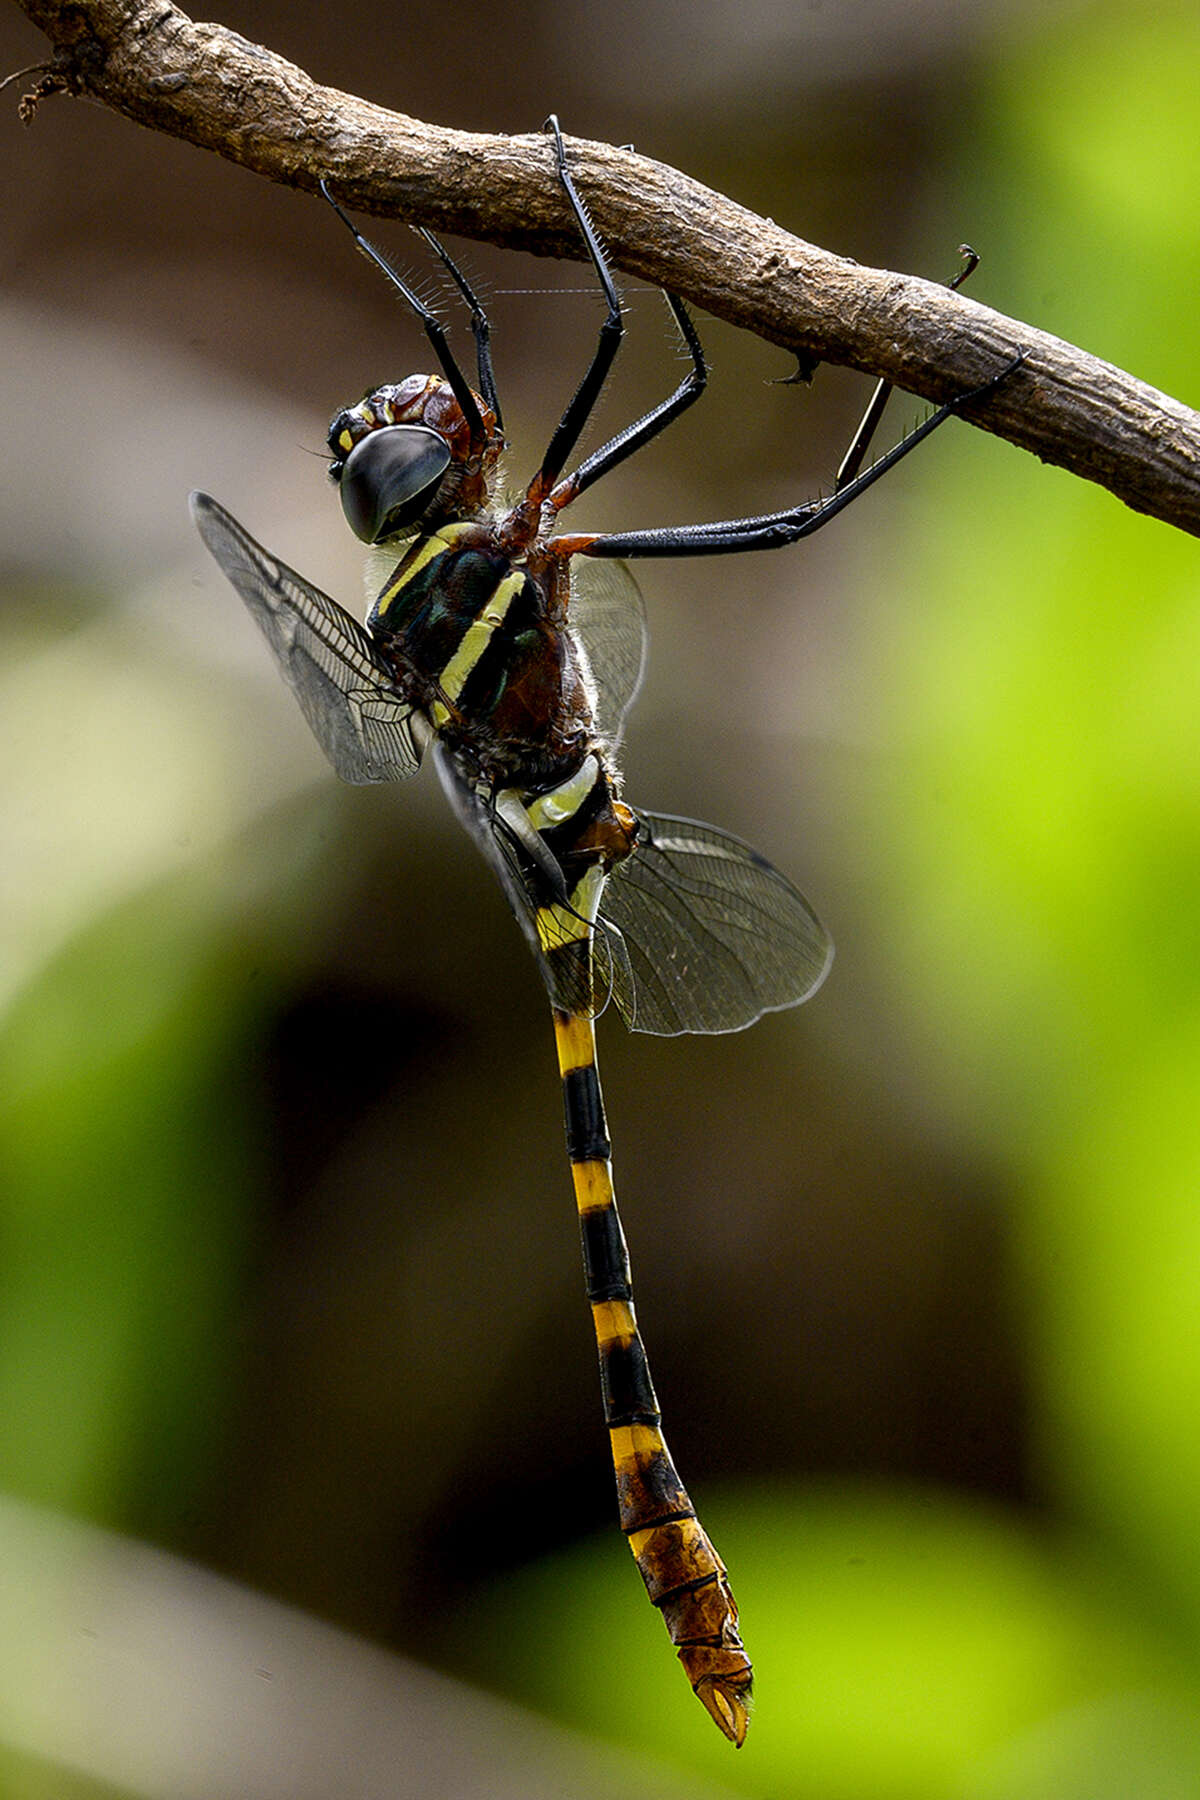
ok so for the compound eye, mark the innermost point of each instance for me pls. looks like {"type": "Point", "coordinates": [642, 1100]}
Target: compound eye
{"type": "Point", "coordinates": [390, 478]}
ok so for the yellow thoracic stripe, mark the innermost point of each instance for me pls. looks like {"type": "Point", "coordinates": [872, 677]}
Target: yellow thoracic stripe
{"type": "Point", "coordinates": [421, 555]}
{"type": "Point", "coordinates": [418, 558]}
{"type": "Point", "coordinates": [478, 636]}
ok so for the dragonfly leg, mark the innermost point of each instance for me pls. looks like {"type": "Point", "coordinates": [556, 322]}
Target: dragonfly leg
{"type": "Point", "coordinates": [861, 441]}
{"type": "Point", "coordinates": [481, 329]}
{"type": "Point", "coordinates": [684, 1576]}
{"type": "Point", "coordinates": [634, 436]}
{"type": "Point", "coordinates": [579, 408]}
{"type": "Point", "coordinates": [460, 387]}
{"type": "Point", "coordinates": [770, 531]}
{"type": "Point", "coordinates": [626, 442]}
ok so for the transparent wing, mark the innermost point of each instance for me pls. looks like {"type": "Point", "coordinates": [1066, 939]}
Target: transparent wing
{"type": "Point", "coordinates": [609, 618]}
{"type": "Point", "coordinates": [345, 690]}
{"type": "Point", "coordinates": [479, 821]}
{"type": "Point", "coordinates": [713, 935]}
{"type": "Point", "coordinates": [576, 981]}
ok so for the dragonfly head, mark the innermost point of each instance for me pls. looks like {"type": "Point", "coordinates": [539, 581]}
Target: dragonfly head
{"type": "Point", "coordinates": [403, 457]}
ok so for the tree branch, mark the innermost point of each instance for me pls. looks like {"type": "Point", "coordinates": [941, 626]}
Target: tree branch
{"type": "Point", "coordinates": [206, 84]}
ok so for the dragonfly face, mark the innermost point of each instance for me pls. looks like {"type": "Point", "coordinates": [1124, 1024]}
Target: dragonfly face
{"type": "Point", "coordinates": [515, 653]}
{"type": "Point", "coordinates": [407, 454]}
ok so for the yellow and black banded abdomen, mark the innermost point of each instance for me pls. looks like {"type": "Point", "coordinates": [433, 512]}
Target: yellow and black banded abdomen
{"type": "Point", "coordinates": [684, 1576]}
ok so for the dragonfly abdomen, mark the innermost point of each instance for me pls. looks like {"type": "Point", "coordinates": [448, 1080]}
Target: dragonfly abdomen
{"type": "Point", "coordinates": [683, 1575]}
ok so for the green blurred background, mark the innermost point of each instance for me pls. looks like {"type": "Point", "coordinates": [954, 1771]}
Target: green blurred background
{"type": "Point", "coordinates": [919, 1266]}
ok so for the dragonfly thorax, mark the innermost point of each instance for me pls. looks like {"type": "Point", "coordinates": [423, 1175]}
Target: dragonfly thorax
{"type": "Point", "coordinates": [479, 642]}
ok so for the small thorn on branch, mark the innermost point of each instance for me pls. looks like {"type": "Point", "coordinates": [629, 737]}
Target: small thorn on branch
{"type": "Point", "coordinates": [58, 76]}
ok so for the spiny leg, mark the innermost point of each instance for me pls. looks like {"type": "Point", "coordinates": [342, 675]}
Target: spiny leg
{"type": "Point", "coordinates": [770, 531]}
{"type": "Point", "coordinates": [579, 407]}
{"type": "Point", "coordinates": [634, 436]}
{"type": "Point", "coordinates": [684, 1576]}
{"type": "Point", "coordinates": [434, 331]}
{"type": "Point", "coordinates": [481, 329]}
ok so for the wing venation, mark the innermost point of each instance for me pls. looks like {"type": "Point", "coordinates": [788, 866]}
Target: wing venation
{"type": "Point", "coordinates": [608, 617]}
{"type": "Point", "coordinates": [366, 728]}
{"type": "Point", "coordinates": [714, 935]}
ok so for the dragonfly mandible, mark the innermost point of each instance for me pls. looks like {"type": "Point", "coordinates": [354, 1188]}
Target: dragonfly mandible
{"type": "Point", "coordinates": [492, 648]}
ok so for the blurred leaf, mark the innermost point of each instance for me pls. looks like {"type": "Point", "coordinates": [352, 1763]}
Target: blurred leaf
{"type": "Point", "coordinates": [129, 1125]}
{"type": "Point", "coordinates": [29, 1778]}
{"type": "Point", "coordinates": [1037, 832]}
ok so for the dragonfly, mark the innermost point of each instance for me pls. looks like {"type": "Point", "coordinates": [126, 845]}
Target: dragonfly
{"type": "Point", "coordinates": [509, 653]}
